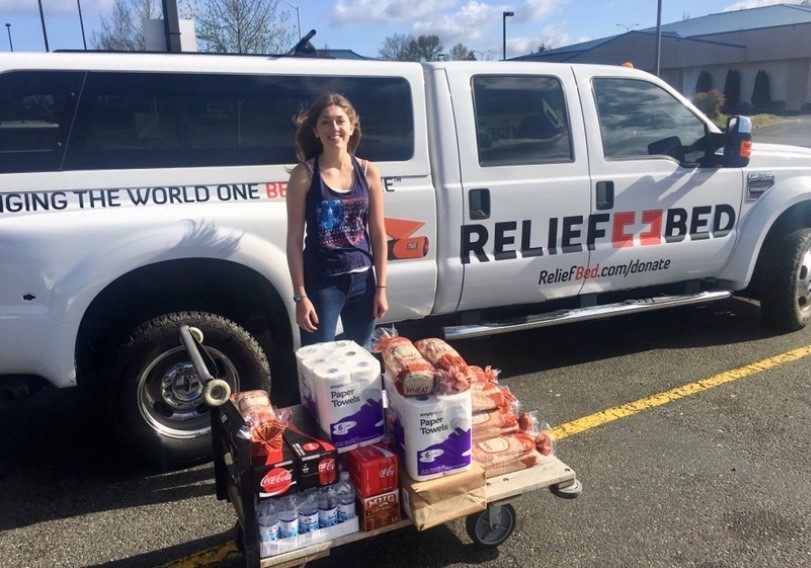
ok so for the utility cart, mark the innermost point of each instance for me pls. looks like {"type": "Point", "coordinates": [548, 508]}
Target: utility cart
{"type": "Point", "coordinates": [237, 478]}
{"type": "Point", "coordinates": [236, 482]}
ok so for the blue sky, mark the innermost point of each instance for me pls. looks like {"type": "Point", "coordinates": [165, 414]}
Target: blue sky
{"type": "Point", "coordinates": [363, 25]}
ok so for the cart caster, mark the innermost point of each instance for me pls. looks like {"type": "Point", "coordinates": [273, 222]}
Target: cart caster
{"type": "Point", "coordinates": [569, 491]}
{"type": "Point", "coordinates": [216, 392]}
{"type": "Point", "coordinates": [239, 537]}
{"type": "Point", "coordinates": [196, 333]}
{"type": "Point", "coordinates": [491, 527]}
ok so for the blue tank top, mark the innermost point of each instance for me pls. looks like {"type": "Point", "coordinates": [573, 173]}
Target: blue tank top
{"type": "Point", "coordinates": [336, 240]}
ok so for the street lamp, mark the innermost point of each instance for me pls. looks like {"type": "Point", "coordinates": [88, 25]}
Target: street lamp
{"type": "Point", "coordinates": [8, 29]}
{"type": "Point", "coordinates": [627, 28]}
{"type": "Point", "coordinates": [504, 16]}
{"type": "Point", "coordinates": [44, 33]}
{"type": "Point", "coordinates": [298, 16]}
{"type": "Point", "coordinates": [81, 23]}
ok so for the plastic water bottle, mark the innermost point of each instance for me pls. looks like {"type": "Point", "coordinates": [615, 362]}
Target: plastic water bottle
{"type": "Point", "coordinates": [288, 517]}
{"type": "Point", "coordinates": [307, 512]}
{"type": "Point", "coordinates": [345, 498]}
{"type": "Point", "coordinates": [268, 521]}
{"type": "Point", "coordinates": [327, 508]}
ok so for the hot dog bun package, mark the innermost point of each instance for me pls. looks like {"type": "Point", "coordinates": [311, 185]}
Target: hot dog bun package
{"type": "Point", "coordinates": [265, 428]}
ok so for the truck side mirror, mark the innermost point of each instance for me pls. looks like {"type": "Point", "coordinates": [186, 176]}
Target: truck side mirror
{"type": "Point", "coordinates": [738, 142]}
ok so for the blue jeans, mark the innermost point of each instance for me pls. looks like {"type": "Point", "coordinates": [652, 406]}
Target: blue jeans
{"type": "Point", "coordinates": [350, 296]}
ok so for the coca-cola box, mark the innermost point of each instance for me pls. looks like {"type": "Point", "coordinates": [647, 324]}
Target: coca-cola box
{"type": "Point", "coordinates": [373, 469]}
{"type": "Point", "coordinates": [316, 459]}
{"type": "Point", "coordinates": [279, 478]}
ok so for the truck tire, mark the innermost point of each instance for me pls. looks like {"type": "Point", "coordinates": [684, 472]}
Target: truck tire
{"type": "Point", "coordinates": [786, 294]}
{"type": "Point", "coordinates": [155, 398]}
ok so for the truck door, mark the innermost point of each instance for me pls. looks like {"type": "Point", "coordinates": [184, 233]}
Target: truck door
{"type": "Point", "coordinates": [659, 214]}
{"type": "Point", "coordinates": [525, 186]}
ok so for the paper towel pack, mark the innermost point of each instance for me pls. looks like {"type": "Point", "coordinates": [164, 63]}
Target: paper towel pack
{"type": "Point", "coordinates": [433, 433]}
{"type": "Point", "coordinates": [341, 386]}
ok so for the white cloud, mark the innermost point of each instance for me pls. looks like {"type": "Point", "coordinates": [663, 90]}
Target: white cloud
{"type": "Point", "coordinates": [747, 4]}
{"type": "Point", "coordinates": [537, 9]}
{"type": "Point", "coordinates": [347, 12]}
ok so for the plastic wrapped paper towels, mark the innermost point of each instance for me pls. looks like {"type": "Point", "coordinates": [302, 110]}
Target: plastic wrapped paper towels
{"type": "Point", "coordinates": [433, 433]}
{"type": "Point", "coordinates": [342, 388]}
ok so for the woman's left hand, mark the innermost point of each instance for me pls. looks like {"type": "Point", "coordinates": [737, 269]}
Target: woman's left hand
{"type": "Point", "coordinates": [381, 305]}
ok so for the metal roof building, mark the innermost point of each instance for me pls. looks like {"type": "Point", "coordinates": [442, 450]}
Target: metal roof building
{"type": "Point", "coordinates": [774, 38]}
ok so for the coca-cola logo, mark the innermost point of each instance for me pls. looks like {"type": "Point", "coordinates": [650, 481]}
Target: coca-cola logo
{"type": "Point", "coordinates": [327, 471]}
{"type": "Point", "coordinates": [386, 472]}
{"type": "Point", "coordinates": [311, 446]}
{"type": "Point", "coordinates": [276, 481]}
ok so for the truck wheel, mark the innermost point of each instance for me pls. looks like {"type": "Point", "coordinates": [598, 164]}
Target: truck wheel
{"type": "Point", "coordinates": [786, 297]}
{"type": "Point", "coordinates": [157, 402]}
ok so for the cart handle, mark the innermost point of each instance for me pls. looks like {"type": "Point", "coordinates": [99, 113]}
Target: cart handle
{"type": "Point", "coordinates": [195, 349]}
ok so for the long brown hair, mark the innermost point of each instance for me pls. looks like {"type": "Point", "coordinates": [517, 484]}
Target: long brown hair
{"type": "Point", "coordinates": [307, 145]}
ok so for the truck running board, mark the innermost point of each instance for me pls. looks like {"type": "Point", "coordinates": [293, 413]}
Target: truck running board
{"type": "Point", "coordinates": [582, 314]}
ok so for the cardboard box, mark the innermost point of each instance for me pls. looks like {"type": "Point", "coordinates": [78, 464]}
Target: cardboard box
{"type": "Point", "coordinates": [379, 511]}
{"type": "Point", "coordinates": [436, 501]}
{"type": "Point", "coordinates": [373, 469]}
{"type": "Point", "coordinates": [316, 458]}
{"type": "Point", "coordinates": [277, 479]}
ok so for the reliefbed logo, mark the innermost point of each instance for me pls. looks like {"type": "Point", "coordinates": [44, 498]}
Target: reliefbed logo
{"type": "Point", "coordinates": [572, 233]}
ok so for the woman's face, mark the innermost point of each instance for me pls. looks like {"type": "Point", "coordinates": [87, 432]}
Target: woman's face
{"type": "Point", "coordinates": [334, 127]}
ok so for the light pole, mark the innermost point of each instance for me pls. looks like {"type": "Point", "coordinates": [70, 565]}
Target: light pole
{"type": "Point", "coordinates": [44, 33]}
{"type": "Point", "coordinates": [298, 16]}
{"type": "Point", "coordinates": [658, 36]}
{"type": "Point", "coordinates": [8, 29]}
{"type": "Point", "coordinates": [627, 28]}
{"type": "Point", "coordinates": [504, 16]}
{"type": "Point", "coordinates": [81, 23]}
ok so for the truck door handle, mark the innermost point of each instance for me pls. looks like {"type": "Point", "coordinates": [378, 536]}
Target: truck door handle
{"type": "Point", "coordinates": [479, 203]}
{"type": "Point", "coordinates": [605, 195]}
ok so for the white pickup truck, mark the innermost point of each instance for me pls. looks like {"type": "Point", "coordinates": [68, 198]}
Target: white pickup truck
{"type": "Point", "coordinates": [140, 192]}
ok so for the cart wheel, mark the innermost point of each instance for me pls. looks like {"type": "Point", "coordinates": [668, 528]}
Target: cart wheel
{"type": "Point", "coordinates": [239, 537]}
{"type": "Point", "coordinates": [216, 392]}
{"type": "Point", "coordinates": [570, 491]}
{"type": "Point", "coordinates": [491, 527]}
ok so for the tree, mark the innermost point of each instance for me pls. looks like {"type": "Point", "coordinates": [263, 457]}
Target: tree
{"type": "Point", "coordinates": [396, 48]}
{"type": "Point", "coordinates": [401, 47]}
{"type": "Point", "coordinates": [762, 91]}
{"type": "Point", "coordinates": [704, 82]}
{"type": "Point", "coordinates": [123, 30]}
{"type": "Point", "coordinates": [244, 26]}
{"type": "Point", "coordinates": [732, 91]}
{"type": "Point", "coordinates": [460, 53]}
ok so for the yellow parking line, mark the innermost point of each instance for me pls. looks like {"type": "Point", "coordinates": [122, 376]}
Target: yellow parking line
{"type": "Point", "coordinates": [631, 408]}
{"type": "Point", "coordinates": [206, 557]}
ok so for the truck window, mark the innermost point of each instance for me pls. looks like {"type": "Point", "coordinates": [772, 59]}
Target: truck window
{"type": "Point", "coordinates": [35, 113]}
{"type": "Point", "coordinates": [636, 117]}
{"type": "Point", "coordinates": [521, 119]}
{"type": "Point", "coordinates": [168, 120]}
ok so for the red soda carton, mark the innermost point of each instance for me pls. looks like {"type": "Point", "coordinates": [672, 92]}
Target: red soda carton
{"type": "Point", "coordinates": [316, 458]}
{"type": "Point", "coordinates": [277, 479]}
{"type": "Point", "coordinates": [373, 469]}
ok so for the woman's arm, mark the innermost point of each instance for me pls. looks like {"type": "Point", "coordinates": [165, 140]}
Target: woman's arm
{"type": "Point", "coordinates": [297, 188]}
{"type": "Point", "coordinates": [377, 235]}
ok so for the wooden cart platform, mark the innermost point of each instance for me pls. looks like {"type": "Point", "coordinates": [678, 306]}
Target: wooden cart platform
{"type": "Point", "coordinates": [235, 482]}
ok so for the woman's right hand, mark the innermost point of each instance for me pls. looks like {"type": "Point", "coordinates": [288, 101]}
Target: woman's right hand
{"type": "Point", "coordinates": [306, 318]}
